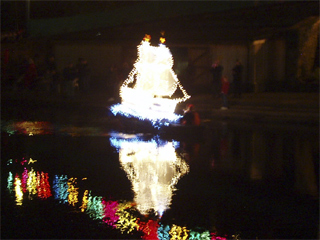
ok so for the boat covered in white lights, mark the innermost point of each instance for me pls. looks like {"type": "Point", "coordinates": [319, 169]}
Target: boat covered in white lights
{"type": "Point", "coordinates": [147, 93]}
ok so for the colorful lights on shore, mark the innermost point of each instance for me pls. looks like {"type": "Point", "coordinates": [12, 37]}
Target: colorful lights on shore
{"type": "Point", "coordinates": [154, 82]}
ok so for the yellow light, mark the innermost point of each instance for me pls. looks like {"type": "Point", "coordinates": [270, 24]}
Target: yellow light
{"type": "Point", "coordinates": [18, 191]}
{"type": "Point", "coordinates": [162, 40]}
{"type": "Point", "coordinates": [32, 183]}
{"type": "Point", "coordinates": [178, 232]}
{"type": "Point", "coordinates": [31, 161]}
{"type": "Point", "coordinates": [73, 192]}
{"type": "Point", "coordinates": [84, 201]}
{"type": "Point", "coordinates": [147, 38]}
{"type": "Point", "coordinates": [126, 222]}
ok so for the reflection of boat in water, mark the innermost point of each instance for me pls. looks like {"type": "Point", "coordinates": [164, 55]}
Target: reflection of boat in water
{"type": "Point", "coordinates": [153, 168]}
{"type": "Point", "coordinates": [148, 91]}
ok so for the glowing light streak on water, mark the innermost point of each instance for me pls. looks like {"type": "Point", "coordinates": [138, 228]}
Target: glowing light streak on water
{"type": "Point", "coordinates": [163, 232]}
{"type": "Point", "coordinates": [126, 222]}
{"type": "Point", "coordinates": [115, 214]}
{"type": "Point", "coordinates": [9, 130]}
{"type": "Point", "coordinates": [194, 235]}
{"type": "Point", "coordinates": [215, 237]}
{"type": "Point", "coordinates": [33, 128]}
{"type": "Point", "coordinates": [95, 207]}
{"type": "Point", "coordinates": [153, 167]}
{"type": "Point", "coordinates": [18, 190]}
{"type": "Point", "coordinates": [10, 182]}
{"type": "Point", "coordinates": [178, 232]}
{"type": "Point", "coordinates": [110, 209]}
{"type": "Point", "coordinates": [44, 189]}
{"type": "Point", "coordinates": [73, 191]}
{"type": "Point", "coordinates": [85, 201]}
{"type": "Point", "coordinates": [150, 229]}
{"type": "Point", "coordinates": [24, 180]}
{"type": "Point", "coordinates": [32, 183]}
{"type": "Point", "coordinates": [60, 188]}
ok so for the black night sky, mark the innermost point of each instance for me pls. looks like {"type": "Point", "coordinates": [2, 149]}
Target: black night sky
{"type": "Point", "coordinates": [14, 13]}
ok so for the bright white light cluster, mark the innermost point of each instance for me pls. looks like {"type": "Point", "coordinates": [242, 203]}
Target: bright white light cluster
{"type": "Point", "coordinates": [154, 82]}
{"type": "Point", "coordinates": [153, 168]}
{"type": "Point", "coordinates": [156, 118]}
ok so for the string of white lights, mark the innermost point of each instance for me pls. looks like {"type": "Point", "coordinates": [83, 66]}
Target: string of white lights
{"type": "Point", "coordinates": [154, 82]}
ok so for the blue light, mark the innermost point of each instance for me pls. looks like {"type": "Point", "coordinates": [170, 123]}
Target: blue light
{"type": "Point", "coordinates": [157, 119]}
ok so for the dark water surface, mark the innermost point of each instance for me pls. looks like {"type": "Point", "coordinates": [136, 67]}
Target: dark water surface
{"type": "Point", "coordinates": [80, 181]}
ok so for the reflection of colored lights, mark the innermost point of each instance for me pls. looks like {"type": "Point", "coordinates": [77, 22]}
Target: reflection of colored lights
{"type": "Point", "coordinates": [84, 201]}
{"type": "Point", "coordinates": [150, 229]}
{"type": "Point", "coordinates": [178, 232]}
{"type": "Point", "coordinates": [95, 207]}
{"type": "Point", "coordinates": [60, 187]}
{"type": "Point", "coordinates": [24, 180]}
{"type": "Point", "coordinates": [126, 222]}
{"type": "Point", "coordinates": [215, 237]}
{"type": "Point", "coordinates": [10, 182]}
{"type": "Point", "coordinates": [31, 161]}
{"type": "Point", "coordinates": [32, 183]}
{"type": "Point", "coordinates": [163, 232]}
{"type": "Point", "coordinates": [110, 209]}
{"type": "Point", "coordinates": [18, 190]}
{"type": "Point", "coordinates": [44, 190]}
{"type": "Point", "coordinates": [23, 161]}
{"type": "Point", "coordinates": [200, 235]}
{"type": "Point", "coordinates": [33, 128]}
{"type": "Point", "coordinates": [120, 215]}
{"type": "Point", "coordinates": [73, 191]}
{"type": "Point", "coordinates": [9, 162]}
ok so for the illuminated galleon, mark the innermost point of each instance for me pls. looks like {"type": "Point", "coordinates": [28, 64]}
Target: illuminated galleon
{"type": "Point", "coordinates": [148, 90]}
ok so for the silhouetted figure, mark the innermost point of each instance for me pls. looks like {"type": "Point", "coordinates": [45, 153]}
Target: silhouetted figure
{"type": "Point", "coordinates": [84, 72]}
{"type": "Point", "coordinates": [237, 78]}
{"type": "Point", "coordinates": [52, 75]}
{"type": "Point", "coordinates": [216, 70]}
{"type": "Point", "coordinates": [70, 76]}
{"type": "Point", "coordinates": [190, 117]}
{"type": "Point", "coordinates": [31, 75]}
{"type": "Point", "coordinates": [225, 85]}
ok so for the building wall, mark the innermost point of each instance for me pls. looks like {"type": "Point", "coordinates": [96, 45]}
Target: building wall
{"type": "Point", "coordinates": [201, 58]}
{"type": "Point", "coordinates": [228, 54]}
{"type": "Point", "coordinates": [267, 64]}
{"type": "Point", "coordinates": [191, 63]}
{"type": "Point", "coordinates": [100, 58]}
